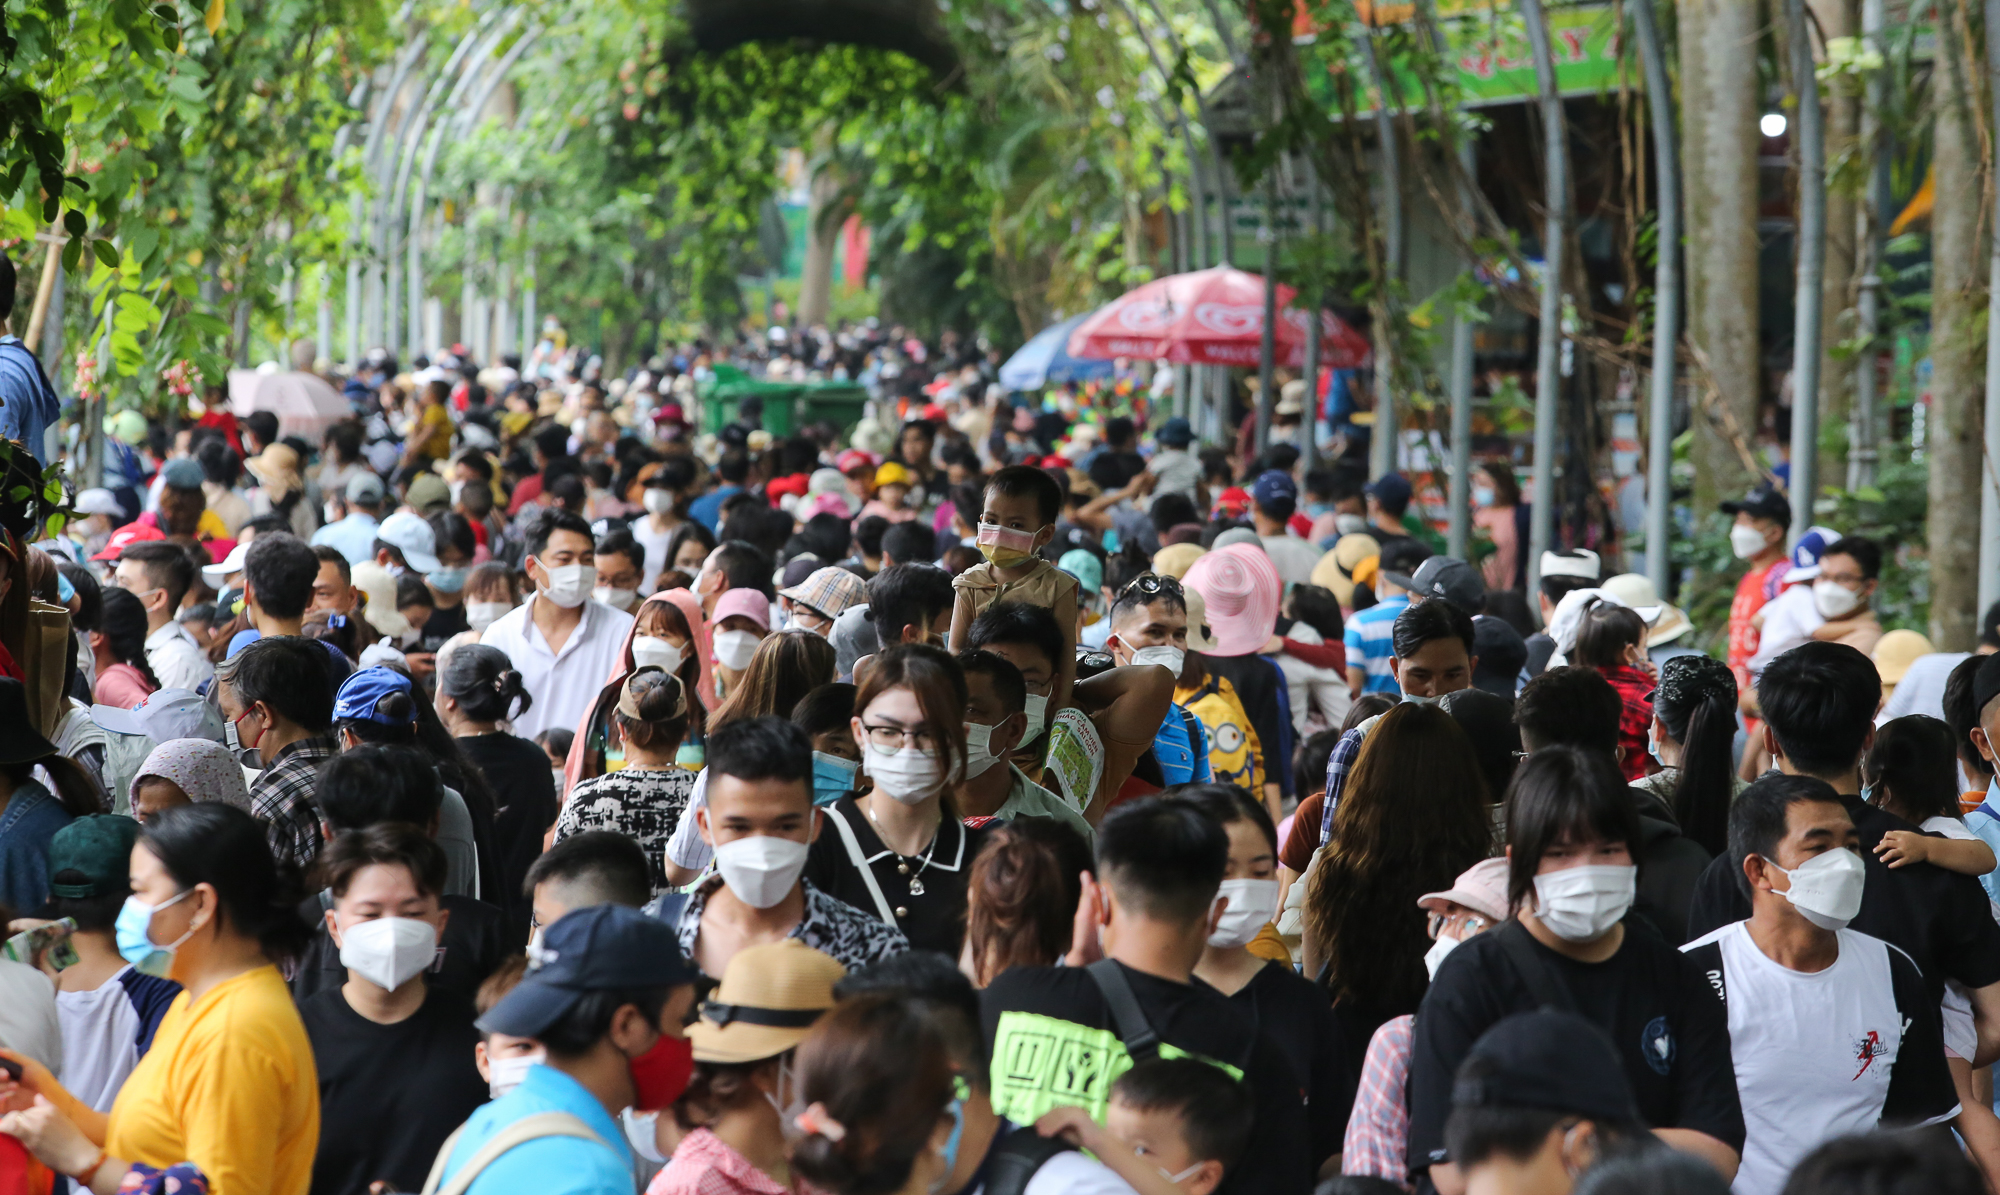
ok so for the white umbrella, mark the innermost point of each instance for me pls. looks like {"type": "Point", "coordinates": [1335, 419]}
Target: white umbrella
{"type": "Point", "coordinates": [304, 403]}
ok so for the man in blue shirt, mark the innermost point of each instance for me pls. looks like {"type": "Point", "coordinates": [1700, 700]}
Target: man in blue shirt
{"type": "Point", "coordinates": [734, 469]}
{"type": "Point", "coordinates": [1149, 625]}
{"type": "Point", "coordinates": [354, 536]}
{"type": "Point", "coordinates": [607, 993]}
{"type": "Point", "coordinates": [28, 403]}
{"type": "Point", "coordinates": [1370, 631]}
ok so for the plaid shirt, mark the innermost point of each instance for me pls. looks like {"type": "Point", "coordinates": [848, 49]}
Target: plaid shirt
{"type": "Point", "coordinates": [1378, 1130]}
{"type": "Point", "coordinates": [1635, 715]}
{"type": "Point", "coordinates": [1338, 765]}
{"type": "Point", "coordinates": [282, 798]}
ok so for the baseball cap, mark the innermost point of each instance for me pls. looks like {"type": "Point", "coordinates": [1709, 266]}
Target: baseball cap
{"type": "Point", "coordinates": [98, 845]}
{"type": "Point", "coordinates": [1806, 553]}
{"type": "Point", "coordinates": [365, 487]}
{"type": "Point", "coordinates": [413, 537]}
{"type": "Point", "coordinates": [1175, 433]}
{"type": "Point", "coordinates": [125, 537]}
{"type": "Point", "coordinates": [1239, 588]}
{"type": "Point", "coordinates": [98, 501]}
{"type": "Point", "coordinates": [1579, 562]}
{"type": "Point", "coordinates": [1762, 502]}
{"type": "Point", "coordinates": [216, 574]}
{"type": "Point", "coordinates": [1234, 501]}
{"type": "Point", "coordinates": [1086, 568]}
{"type": "Point", "coordinates": [182, 474]}
{"type": "Point", "coordinates": [1400, 560]}
{"type": "Point", "coordinates": [427, 492]}
{"type": "Point", "coordinates": [363, 691]}
{"type": "Point", "coordinates": [853, 459]}
{"type": "Point", "coordinates": [1549, 1059]}
{"type": "Point", "coordinates": [1453, 580]}
{"type": "Point", "coordinates": [165, 715]}
{"type": "Point", "coordinates": [745, 603]}
{"type": "Point", "coordinates": [1390, 489]}
{"type": "Point", "coordinates": [1665, 622]}
{"type": "Point", "coordinates": [829, 590]}
{"type": "Point", "coordinates": [595, 949]}
{"type": "Point", "coordinates": [769, 997]}
{"type": "Point", "coordinates": [1502, 653]}
{"type": "Point", "coordinates": [1481, 888]}
{"type": "Point", "coordinates": [892, 473]}
{"type": "Point", "coordinates": [1274, 487]}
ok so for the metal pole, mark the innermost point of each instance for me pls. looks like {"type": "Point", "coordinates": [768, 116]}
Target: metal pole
{"type": "Point", "coordinates": [1812, 267]}
{"type": "Point", "coordinates": [1863, 444]}
{"type": "Point", "coordinates": [1548, 363]}
{"type": "Point", "coordinates": [1989, 490]}
{"type": "Point", "coordinates": [1315, 332]}
{"type": "Point", "coordinates": [1459, 532]}
{"type": "Point", "coordinates": [1382, 440]}
{"type": "Point", "coordinates": [1267, 344]}
{"type": "Point", "coordinates": [1666, 299]}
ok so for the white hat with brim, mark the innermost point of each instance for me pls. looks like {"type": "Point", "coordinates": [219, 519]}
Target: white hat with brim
{"type": "Point", "coordinates": [216, 574]}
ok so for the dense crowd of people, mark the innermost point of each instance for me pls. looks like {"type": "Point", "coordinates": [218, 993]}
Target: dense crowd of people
{"type": "Point", "coordinates": [534, 784]}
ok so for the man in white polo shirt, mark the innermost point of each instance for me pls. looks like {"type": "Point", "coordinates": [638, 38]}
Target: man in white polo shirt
{"type": "Point", "coordinates": [1831, 1031]}
{"type": "Point", "coordinates": [563, 644]}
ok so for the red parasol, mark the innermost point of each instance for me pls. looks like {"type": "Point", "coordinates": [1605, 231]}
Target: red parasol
{"type": "Point", "coordinates": [1211, 317]}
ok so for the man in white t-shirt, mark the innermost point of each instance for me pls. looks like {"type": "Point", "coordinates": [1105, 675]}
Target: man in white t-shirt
{"type": "Point", "coordinates": [1831, 1031]}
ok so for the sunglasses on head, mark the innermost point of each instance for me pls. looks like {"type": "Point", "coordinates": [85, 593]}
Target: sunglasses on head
{"type": "Point", "coordinates": [1152, 585]}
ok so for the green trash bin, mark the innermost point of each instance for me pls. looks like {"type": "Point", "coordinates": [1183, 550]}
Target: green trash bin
{"type": "Point", "coordinates": [788, 406]}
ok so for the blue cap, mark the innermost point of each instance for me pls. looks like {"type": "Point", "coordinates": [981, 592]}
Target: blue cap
{"type": "Point", "coordinates": [362, 692]}
{"type": "Point", "coordinates": [1086, 568]}
{"type": "Point", "coordinates": [1276, 492]}
{"type": "Point", "coordinates": [1175, 433]}
{"type": "Point", "coordinates": [1391, 490]}
{"type": "Point", "coordinates": [594, 949]}
{"type": "Point", "coordinates": [181, 473]}
{"type": "Point", "coordinates": [1806, 553]}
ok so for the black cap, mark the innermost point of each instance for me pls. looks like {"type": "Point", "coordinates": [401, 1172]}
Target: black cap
{"type": "Point", "coordinates": [1763, 502]}
{"type": "Point", "coordinates": [595, 949]}
{"type": "Point", "coordinates": [1553, 1060]}
{"type": "Point", "coordinates": [1985, 684]}
{"type": "Point", "coordinates": [1400, 559]}
{"type": "Point", "coordinates": [1453, 580]}
{"type": "Point", "coordinates": [1502, 654]}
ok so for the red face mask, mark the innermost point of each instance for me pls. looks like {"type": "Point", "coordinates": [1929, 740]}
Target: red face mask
{"type": "Point", "coordinates": [661, 1074]}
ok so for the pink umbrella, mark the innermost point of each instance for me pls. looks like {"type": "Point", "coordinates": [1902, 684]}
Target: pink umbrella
{"type": "Point", "coordinates": [1211, 317]}
{"type": "Point", "coordinates": [305, 404]}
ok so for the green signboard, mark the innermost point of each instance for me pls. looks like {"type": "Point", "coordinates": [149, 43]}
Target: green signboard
{"type": "Point", "coordinates": [1490, 50]}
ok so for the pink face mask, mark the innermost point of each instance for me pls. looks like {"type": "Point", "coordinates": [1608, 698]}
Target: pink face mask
{"type": "Point", "coordinates": [1006, 537]}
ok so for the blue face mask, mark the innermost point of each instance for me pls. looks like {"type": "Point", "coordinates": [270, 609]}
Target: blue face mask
{"type": "Point", "coordinates": [133, 929]}
{"type": "Point", "coordinates": [833, 777]}
{"type": "Point", "coordinates": [447, 580]}
{"type": "Point", "coordinates": [1316, 509]}
{"type": "Point", "coordinates": [957, 1111]}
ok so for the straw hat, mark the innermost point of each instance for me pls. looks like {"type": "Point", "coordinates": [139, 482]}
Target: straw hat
{"type": "Point", "coordinates": [1198, 638]}
{"type": "Point", "coordinates": [1636, 590]}
{"type": "Point", "coordinates": [1335, 570]}
{"type": "Point", "coordinates": [767, 1002]}
{"type": "Point", "coordinates": [1175, 560]}
{"type": "Point", "coordinates": [1896, 651]}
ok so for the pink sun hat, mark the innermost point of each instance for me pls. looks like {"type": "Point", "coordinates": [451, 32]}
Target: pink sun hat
{"type": "Point", "coordinates": [1239, 585]}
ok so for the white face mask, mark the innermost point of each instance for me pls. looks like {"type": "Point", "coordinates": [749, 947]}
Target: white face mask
{"type": "Point", "coordinates": [617, 599]}
{"type": "Point", "coordinates": [457, 489]}
{"type": "Point", "coordinates": [1166, 656]}
{"type": "Point", "coordinates": [1579, 904]}
{"type": "Point", "coordinates": [568, 584]}
{"type": "Point", "coordinates": [979, 757]}
{"type": "Point", "coordinates": [507, 1073]}
{"type": "Point", "coordinates": [649, 651]}
{"type": "Point", "coordinates": [907, 775]}
{"type": "Point", "coordinates": [733, 649]}
{"type": "Point", "coordinates": [1434, 957]}
{"type": "Point", "coordinates": [1745, 541]}
{"type": "Point", "coordinates": [642, 1129]}
{"type": "Point", "coordinates": [1834, 600]}
{"type": "Point", "coordinates": [389, 951]}
{"type": "Point", "coordinates": [480, 615]}
{"type": "Point", "coordinates": [658, 501]}
{"type": "Point", "coordinates": [760, 871]}
{"type": "Point", "coordinates": [556, 774]}
{"type": "Point", "coordinates": [1826, 889]}
{"type": "Point", "coordinates": [1349, 524]}
{"type": "Point", "coordinates": [1038, 717]}
{"type": "Point", "coordinates": [1252, 904]}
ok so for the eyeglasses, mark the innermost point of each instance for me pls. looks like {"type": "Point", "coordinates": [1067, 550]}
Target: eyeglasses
{"type": "Point", "coordinates": [891, 738]}
{"type": "Point", "coordinates": [1152, 585]}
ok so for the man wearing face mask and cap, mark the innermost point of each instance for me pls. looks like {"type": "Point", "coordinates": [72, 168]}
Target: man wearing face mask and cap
{"type": "Point", "coordinates": [1831, 1031]}
{"type": "Point", "coordinates": [394, 1055]}
{"type": "Point", "coordinates": [761, 823]}
{"type": "Point", "coordinates": [607, 993]}
{"type": "Point", "coordinates": [562, 643]}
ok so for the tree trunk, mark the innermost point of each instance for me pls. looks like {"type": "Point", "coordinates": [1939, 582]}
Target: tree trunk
{"type": "Point", "coordinates": [1958, 365]}
{"type": "Point", "coordinates": [1839, 18]}
{"type": "Point", "coordinates": [822, 238]}
{"type": "Point", "coordinates": [1720, 102]}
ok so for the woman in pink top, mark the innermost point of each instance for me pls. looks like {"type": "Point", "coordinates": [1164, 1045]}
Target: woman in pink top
{"type": "Point", "coordinates": [1496, 497]}
{"type": "Point", "coordinates": [119, 644]}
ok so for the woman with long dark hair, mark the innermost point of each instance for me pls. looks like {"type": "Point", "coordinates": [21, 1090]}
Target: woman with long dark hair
{"type": "Point", "coordinates": [1413, 816]}
{"type": "Point", "coordinates": [227, 1083]}
{"type": "Point", "coordinates": [478, 691]}
{"type": "Point", "coordinates": [1693, 737]}
{"type": "Point", "coordinates": [118, 643]}
{"type": "Point", "coordinates": [898, 849]}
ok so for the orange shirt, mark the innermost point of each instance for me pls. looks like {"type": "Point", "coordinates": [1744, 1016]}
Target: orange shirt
{"type": "Point", "coordinates": [1752, 592]}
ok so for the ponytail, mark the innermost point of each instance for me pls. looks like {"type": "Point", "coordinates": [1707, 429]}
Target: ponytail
{"type": "Point", "coordinates": [1696, 703]}
{"type": "Point", "coordinates": [485, 684]}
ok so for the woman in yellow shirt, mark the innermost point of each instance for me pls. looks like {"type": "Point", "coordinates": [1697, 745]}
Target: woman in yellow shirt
{"type": "Point", "coordinates": [228, 1084]}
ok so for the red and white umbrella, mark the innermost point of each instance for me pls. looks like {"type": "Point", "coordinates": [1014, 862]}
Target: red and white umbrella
{"type": "Point", "coordinates": [1211, 317]}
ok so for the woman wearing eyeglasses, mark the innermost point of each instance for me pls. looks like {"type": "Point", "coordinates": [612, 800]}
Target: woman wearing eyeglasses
{"type": "Point", "coordinates": [897, 848]}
